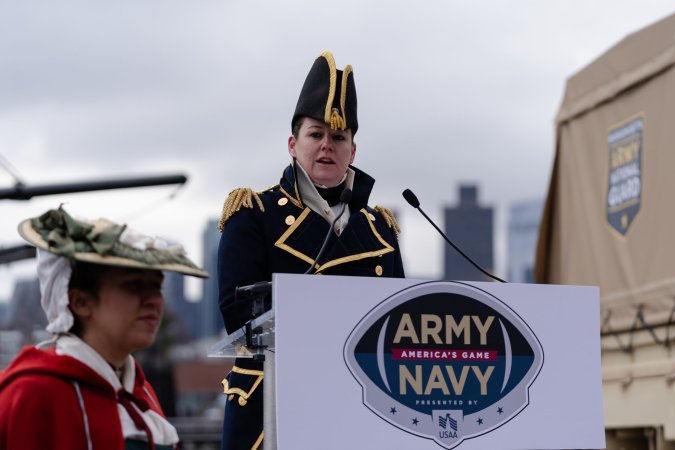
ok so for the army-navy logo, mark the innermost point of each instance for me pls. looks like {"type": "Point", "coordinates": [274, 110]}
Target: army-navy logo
{"type": "Point", "coordinates": [444, 360]}
{"type": "Point", "coordinates": [625, 174]}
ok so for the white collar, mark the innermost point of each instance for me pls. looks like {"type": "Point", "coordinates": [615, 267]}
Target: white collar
{"type": "Point", "coordinates": [75, 347]}
{"type": "Point", "coordinates": [311, 197]}
{"type": "Point", "coordinates": [162, 431]}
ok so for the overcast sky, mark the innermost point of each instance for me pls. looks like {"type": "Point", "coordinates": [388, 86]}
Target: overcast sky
{"type": "Point", "coordinates": [448, 91]}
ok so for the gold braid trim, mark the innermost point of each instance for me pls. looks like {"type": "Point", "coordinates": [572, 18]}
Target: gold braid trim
{"type": "Point", "coordinates": [343, 94]}
{"type": "Point", "coordinates": [389, 218]}
{"type": "Point", "coordinates": [332, 86]}
{"type": "Point", "coordinates": [258, 441]}
{"type": "Point", "coordinates": [336, 120]}
{"type": "Point", "coordinates": [235, 200]}
{"type": "Point", "coordinates": [231, 391]}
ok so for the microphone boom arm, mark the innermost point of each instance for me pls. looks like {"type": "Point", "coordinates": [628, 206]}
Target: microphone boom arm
{"type": "Point", "coordinates": [414, 202]}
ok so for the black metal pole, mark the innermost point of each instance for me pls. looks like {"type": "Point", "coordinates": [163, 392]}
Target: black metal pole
{"type": "Point", "coordinates": [16, 253]}
{"type": "Point", "coordinates": [24, 192]}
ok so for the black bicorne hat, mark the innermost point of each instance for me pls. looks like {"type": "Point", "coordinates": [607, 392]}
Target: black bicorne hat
{"type": "Point", "coordinates": [329, 95]}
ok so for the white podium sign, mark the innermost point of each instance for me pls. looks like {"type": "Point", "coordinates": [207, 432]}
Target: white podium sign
{"type": "Point", "coordinates": [411, 364]}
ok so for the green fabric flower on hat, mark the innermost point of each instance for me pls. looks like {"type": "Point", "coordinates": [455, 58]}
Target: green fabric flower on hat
{"type": "Point", "coordinates": [105, 242]}
{"type": "Point", "coordinates": [66, 235]}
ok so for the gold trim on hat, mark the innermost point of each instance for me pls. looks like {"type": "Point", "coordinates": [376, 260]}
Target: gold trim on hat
{"type": "Point", "coordinates": [332, 86]}
{"type": "Point", "coordinates": [336, 120]}
{"type": "Point", "coordinates": [343, 95]}
{"type": "Point", "coordinates": [332, 116]}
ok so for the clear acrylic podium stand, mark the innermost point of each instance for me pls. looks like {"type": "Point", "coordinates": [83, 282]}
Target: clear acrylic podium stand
{"type": "Point", "coordinates": [259, 344]}
{"type": "Point", "coordinates": [237, 345]}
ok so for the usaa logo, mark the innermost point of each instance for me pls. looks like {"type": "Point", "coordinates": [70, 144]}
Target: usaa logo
{"type": "Point", "coordinates": [444, 360]}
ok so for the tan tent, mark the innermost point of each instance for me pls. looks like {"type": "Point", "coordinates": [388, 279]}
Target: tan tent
{"type": "Point", "coordinates": [609, 221]}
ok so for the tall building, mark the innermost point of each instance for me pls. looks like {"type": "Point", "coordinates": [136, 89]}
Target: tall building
{"type": "Point", "coordinates": [184, 312]}
{"type": "Point", "coordinates": [173, 289]}
{"type": "Point", "coordinates": [523, 230]}
{"type": "Point", "coordinates": [470, 227]}
{"type": "Point", "coordinates": [24, 313]}
{"type": "Point", "coordinates": [210, 320]}
{"type": "Point", "coordinates": [11, 342]}
{"type": "Point", "coordinates": [4, 307]}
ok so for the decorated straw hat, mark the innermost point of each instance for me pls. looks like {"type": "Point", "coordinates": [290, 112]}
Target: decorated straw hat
{"type": "Point", "coordinates": [104, 242]}
{"type": "Point", "coordinates": [328, 95]}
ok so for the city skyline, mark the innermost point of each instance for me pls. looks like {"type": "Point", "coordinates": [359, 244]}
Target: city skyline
{"type": "Point", "coordinates": [529, 208]}
{"type": "Point", "coordinates": [447, 93]}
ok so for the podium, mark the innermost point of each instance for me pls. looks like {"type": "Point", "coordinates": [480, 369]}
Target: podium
{"type": "Point", "coordinates": [400, 363]}
{"type": "Point", "coordinates": [256, 340]}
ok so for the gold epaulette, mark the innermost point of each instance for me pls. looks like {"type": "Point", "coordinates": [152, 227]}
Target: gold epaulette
{"type": "Point", "coordinates": [389, 218]}
{"type": "Point", "coordinates": [235, 200]}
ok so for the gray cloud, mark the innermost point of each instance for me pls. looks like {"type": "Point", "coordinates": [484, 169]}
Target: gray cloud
{"type": "Point", "coordinates": [448, 92]}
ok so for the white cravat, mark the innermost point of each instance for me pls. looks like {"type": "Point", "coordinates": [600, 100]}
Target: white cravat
{"type": "Point", "coordinates": [312, 198]}
{"type": "Point", "coordinates": [162, 431]}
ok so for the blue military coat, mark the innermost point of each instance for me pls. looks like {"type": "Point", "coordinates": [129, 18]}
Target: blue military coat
{"type": "Point", "coordinates": [275, 232]}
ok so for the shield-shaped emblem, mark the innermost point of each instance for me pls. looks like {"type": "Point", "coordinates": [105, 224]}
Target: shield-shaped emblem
{"type": "Point", "coordinates": [625, 173]}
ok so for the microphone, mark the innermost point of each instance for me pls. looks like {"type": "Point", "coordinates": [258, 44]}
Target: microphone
{"type": "Point", "coordinates": [260, 288]}
{"type": "Point", "coordinates": [415, 203]}
{"type": "Point", "coordinates": [254, 295]}
{"type": "Point", "coordinates": [345, 197]}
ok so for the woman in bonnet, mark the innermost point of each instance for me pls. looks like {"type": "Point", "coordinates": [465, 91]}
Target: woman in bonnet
{"type": "Point", "coordinates": [101, 290]}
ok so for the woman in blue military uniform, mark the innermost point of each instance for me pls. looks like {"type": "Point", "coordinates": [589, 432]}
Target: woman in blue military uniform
{"type": "Point", "coordinates": [282, 229]}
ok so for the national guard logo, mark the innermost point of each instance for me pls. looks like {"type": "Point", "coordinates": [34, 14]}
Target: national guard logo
{"type": "Point", "coordinates": [625, 173]}
{"type": "Point", "coordinates": [444, 360]}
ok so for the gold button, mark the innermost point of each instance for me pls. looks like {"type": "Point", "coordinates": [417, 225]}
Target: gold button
{"type": "Point", "coordinates": [372, 217]}
{"type": "Point", "coordinates": [378, 270]}
{"type": "Point", "coordinates": [290, 220]}
{"type": "Point", "coordinates": [282, 201]}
